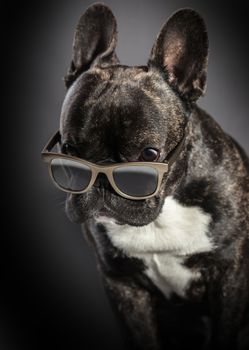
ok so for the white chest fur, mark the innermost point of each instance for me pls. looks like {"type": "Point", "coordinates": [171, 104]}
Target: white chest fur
{"type": "Point", "coordinates": [163, 245]}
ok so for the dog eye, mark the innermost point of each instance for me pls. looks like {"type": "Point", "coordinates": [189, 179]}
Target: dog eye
{"type": "Point", "coordinates": [68, 148]}
{"type": "Point", "coordinates": [150, 154]}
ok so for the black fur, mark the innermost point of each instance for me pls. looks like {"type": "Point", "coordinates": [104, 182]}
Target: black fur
{"type": "Point", "coordinates": [111, 113]}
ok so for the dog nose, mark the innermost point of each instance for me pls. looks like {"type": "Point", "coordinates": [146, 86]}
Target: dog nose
{"type": "Point", "coordinates": [101, 181]}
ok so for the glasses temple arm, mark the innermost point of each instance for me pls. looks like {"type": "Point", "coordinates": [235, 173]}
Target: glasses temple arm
{"type": "Point", "coordinates": [52, 142]}
{"type": "Point", "coordinates": [176, 152]}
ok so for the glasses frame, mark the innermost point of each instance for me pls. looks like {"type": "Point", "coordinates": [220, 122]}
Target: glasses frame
{"type": "Point", "coordinates": [107, 169]}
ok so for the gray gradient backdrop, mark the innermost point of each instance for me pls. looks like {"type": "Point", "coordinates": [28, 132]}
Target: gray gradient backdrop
{"type": "Point", "coordinates": [55, 295]}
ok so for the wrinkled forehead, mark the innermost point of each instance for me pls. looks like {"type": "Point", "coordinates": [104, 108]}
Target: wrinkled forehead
{"type": "Point", "coordinates": [131, 99]}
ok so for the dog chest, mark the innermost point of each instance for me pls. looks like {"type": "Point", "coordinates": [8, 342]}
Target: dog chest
{"type": "Point", "coordinates": [164, 244]}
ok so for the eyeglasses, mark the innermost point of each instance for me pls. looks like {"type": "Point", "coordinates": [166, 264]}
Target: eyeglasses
{"type": "Point", "coordinates": [132, 180]}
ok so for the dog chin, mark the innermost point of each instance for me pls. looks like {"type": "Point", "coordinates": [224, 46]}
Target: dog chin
{"type": "Point", "coordinates": [123, 218]}
{"type": "Point", "coordinates": [105, 215]}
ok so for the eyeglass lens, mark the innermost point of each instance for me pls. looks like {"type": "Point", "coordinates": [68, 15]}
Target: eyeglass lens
{"type": "Point", "coordinates": [135, 180]}
{"type": "Point", "coordinates": [70, 175]}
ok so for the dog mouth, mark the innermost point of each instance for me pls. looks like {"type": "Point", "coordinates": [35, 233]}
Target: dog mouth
{"type": "Point", "coordinates": [106, 206]}
{"type": "Point", "coordinates": [107, 212]}
{"type": "Point", "coordinates": [123, 211]}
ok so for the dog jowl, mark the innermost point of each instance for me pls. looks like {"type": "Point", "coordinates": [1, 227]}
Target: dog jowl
{"type": "Point", "coordinates": [175, 264]}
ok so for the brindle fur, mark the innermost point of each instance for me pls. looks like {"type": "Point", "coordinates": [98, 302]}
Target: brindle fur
{"type": "Point", "coordinates": [111, 112]}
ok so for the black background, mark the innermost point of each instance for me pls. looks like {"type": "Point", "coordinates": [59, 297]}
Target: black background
{"type": "Point", "coordinates": [53, 295]}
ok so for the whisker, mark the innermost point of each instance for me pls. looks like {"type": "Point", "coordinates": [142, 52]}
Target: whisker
{"type": "Point", "coordinates": [60, 201]}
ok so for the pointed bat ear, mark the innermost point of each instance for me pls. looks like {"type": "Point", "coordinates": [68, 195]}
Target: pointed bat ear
{"type": "Point", "coordinates": [181, 53]}
{"type": "Point", "coordinates": [94, 41]}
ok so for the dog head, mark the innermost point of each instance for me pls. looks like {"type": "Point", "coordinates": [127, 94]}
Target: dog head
{"type": "Point", "coordinates": [116, 113]}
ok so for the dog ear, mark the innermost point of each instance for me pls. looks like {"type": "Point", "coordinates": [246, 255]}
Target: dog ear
{"type": "Point", "coordinates": [94, 41]}
{"type": "Point", "coordinates": [181, 52]}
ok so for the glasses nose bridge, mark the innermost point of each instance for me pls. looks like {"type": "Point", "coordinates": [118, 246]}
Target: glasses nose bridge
{"type": "Point", "coordinates": [102, 169]}
{"type": "Point", "coordinates": [102, 176]}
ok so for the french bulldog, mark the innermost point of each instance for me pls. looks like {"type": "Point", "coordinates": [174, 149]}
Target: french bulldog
{"type": "Point", "coordinates": [175, 266]}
